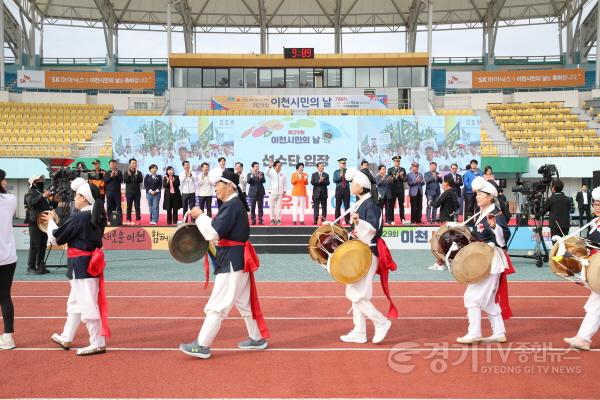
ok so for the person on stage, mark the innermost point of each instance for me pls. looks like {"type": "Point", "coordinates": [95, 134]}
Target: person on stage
{"type": "Point", "coordinates": [591, 322]}
{"type": "Point", "coordinates": [299, 181]}
{"type": "Point", "coordinates": [234, 269]}
{"type": "Point", "coordinates": [491, 294]}
{"type": "Point", "coordinates": [320, 181]}
{"type": "Point", "coordinates": [342, 190]}
{"type": "Point", "coordinates": [398, 175]}
{"type": "Point", "coordinates": [82, 233]}
{"type": "Point", "coordinates": [367, 223]}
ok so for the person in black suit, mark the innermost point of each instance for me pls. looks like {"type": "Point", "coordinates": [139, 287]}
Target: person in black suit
{"type": "Point", "coordinates": [320, 181]}
{"type": "Point", "coordinates": [256, 192]}
{"type": "Point", "coordinates": [584, 199]}
{"type": "Point", "coordinates": [342, 190]}
{"type": "Point", "coordinates": [458, 184]}
{"type": "Point", "coordinates": [558, 206]}
{"type": "Point", "coordinates": [133, 191]}
{"type": "Point", "coordinates": [112, 186]}
{"type": "Point", "coordinates": [364, 168]}
{"type": "Point", "coordinates": [447, 202]}
{"type": "Point", "coordinates": [384, 187]}
{"type": "Point", "coordinates": [172, 201]}
{"type": "Point", "coordinates": [398, 175]}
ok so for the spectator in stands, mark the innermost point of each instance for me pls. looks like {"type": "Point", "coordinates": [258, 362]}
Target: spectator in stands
{"type": "Point", "coordinates": [256, 193]}
{"type": "Point", "coordinates": [112, 184]}
{"type": "Point", "coordinates": [172, 196]}
{"type": "Point", "coordinates": [457, 185]}
{"type": "Point", "coordinates": [205, 190]}
{"type": "Point", "coordinates": [133, 180]}
{"type": "Point", "coordinates": [276, 190]}
{"type": "Point", "coordinates": [320, 182]}
{"type": "Point", "coordinates": [584, 199]}
{"type": "Point", "coordinates": [415, 182]}
{"type": "Point", "coordinates": [153, 185]}
{"type": "Point", "coordinates": [8, 262]}
{"type": "Point", "coordinates": [299, 181]}
{"type": "Point", "coordinates": [469, 195]}
{"type": "Point", "coordinates": [188, 187]}
{"type": "Point", "coordinates": [36, 201]}
{"type": "Point", "coordinates": [433, 179]}
{"type": "Point", "coordinates": [558, 206]}
{"type": "Point", "coordinates": [96, 177]}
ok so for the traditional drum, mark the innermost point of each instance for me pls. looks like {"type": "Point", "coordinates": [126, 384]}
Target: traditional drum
{"type": "Point", "coordinates": [186, 244]}
{"type": "Point", "coordinates": [445, 236]}
{"type": "Point", "coordinates": [346, 260]}
{"type": "Point", "coordinates": [569, 263]}
{"type": "Point", "coordinates": [468, 261]}
{"type": "Point", "coordinates": [472, 263]}
{"type": "Point", "coordinates": [43, 225]}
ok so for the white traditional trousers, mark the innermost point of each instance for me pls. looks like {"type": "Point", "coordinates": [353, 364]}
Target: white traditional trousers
{"type": "Point", "coordinates": [232, 288]}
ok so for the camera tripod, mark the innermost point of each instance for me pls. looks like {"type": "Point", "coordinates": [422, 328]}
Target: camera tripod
{"type": "Point", "coordinates": [540, 252]}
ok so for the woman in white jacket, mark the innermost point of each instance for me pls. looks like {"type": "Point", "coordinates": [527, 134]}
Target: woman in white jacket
{"type": "Point", "coordinates": [8, 262]}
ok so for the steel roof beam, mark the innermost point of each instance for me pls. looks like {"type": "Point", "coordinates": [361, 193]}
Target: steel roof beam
{"type": "Point", "coordinates": [184, 10]}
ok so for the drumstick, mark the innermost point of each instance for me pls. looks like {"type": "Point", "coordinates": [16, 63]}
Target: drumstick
{"type": "Point", "coordinates": [467, 221]}
{"type": "Point", "coordinates": [349, 210]}
{"type": "Point", "coordinates": [588, 225]}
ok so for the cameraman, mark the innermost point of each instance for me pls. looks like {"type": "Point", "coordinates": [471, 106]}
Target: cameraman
{"type": "Point", "coordinates": [559, 206]}
{"type": "Point", "coordinates": [36, 202]}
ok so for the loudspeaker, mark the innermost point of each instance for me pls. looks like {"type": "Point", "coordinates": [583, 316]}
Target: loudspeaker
{"type": "Point", "coordinates": [595, 179]}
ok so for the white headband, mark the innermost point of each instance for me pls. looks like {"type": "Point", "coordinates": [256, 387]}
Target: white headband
{"type": "Point", "coordinates": [356, 176]}
{"type": "Point", "coordinates": [80, 186]}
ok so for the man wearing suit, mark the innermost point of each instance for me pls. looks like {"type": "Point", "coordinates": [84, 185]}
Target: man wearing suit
{"type": "Point", "coordinates": [320, 181]}
{"type": "Point", "coordinates": [458, 183]}
{"type": "Point", "coordinates": [558, 206]}
{"type": "Point", "coordinates": [133, 178]}
{"type": "Point", "coordinates": [364, 168]}
{"type": "Point", "coordinates": [384, 188]}
{"type": "Point", "coordinates": [256, 192]}
{"type": "Point", "coordinates": [415, 182]}
{"type": "Point", "coordinates": [398, 175]}
{"type": "Point", "coordinates": [584, 199]}
{"type": "Point", "coordinates": [342, 190]}
{"type": "Point", "coordinates": [432, 190]}
{"type": "Point", "coordinates": [112, 185]}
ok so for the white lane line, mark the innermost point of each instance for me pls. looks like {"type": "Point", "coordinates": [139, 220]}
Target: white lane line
{"type": "Point", "coordinates": [290, 318]}
{"type": "Point", "coordinates": [496, 348]}
{"type": "Point", "coordinates": [296, 297]}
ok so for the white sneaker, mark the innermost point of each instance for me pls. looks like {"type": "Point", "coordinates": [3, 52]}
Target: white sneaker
{"type": "Point", "coordinates": [179, 222]}
{"type": "Point", "coordinates": [152, 223]}
{"type": "Point", "coordinates": [91, 350]}
{"type": "Point", "coordinates": [436, 267]}
{"type": "Point", "coordinates": [354, 337]}
{"type": "Point", "coordinates": [7, 344]}
{"type": "Point", "coordinates": [469, 340]}
{"type": "Point", "coordinates": [381, 330]}
{"type": "Point", "coordinates": [495, 339]}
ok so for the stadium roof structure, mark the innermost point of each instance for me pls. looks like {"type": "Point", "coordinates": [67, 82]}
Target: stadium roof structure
{"type": "Point", "coordinates": [305, 16]}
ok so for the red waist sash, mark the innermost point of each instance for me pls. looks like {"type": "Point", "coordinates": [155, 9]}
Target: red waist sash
{"type": "Point", "coordinates": [385, 265]}
{"type": "Point", "coordinates": [251, 264]}
{"type": "Point", "coordinates": [96, 268]}
{"type": "Point", "coordinates": [502, 292]}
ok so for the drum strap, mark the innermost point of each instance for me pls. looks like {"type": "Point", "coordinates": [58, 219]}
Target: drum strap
{"type": "Point", "coordinates": [502, 292]}
{"type": "Point", "coordinates": [96, 268]}
{"type": "Point", "coordinates": [251, 264]}
{"type": "Point", "coordinates": [385, 265]}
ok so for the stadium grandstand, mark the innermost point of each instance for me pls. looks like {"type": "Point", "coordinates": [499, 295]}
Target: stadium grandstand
{"type": "Point", "coordinates": [532, 119]}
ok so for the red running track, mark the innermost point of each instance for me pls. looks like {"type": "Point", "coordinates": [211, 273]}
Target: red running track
{"type": "Point", "coordinates": [305, 359]}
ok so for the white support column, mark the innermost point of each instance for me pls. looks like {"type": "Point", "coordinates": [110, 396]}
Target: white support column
{"type": "Point", "coordinates": [169, 73]}
{"type": "Point", "coordinates": [429, 41]}
{"type": "Point", "coordinates": [116, 44]}
{"type": "Point", "coordinates": [560, 37]}
{"type": "Point", "coordinates": [597, 85]}
{"type": "Point", "coordinates": [41, 40]}
{"type": "Point", "coordinates": [2, 83]}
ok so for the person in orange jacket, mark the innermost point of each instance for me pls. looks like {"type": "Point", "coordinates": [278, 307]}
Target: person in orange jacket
{"type": "Point", "coordinates": [299, 181]}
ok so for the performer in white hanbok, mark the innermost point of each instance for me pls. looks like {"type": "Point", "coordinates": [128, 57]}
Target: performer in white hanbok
{"type": "Point", "coordinates": [82, 232]}
{"type": "Point", "coordinates": [491, 294]}
{"type": "Point", "coordinates": [591, 322]}
{"type": "Point", "coordinates": [234, 267]}
{"type": "Point", "coordinates": [367, 224]}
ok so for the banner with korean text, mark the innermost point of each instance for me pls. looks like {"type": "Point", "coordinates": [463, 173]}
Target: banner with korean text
{"type": "Point", "coordinates": [298, 102]}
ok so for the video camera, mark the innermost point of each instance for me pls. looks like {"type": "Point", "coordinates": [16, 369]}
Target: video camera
{"type": "Point", "coordinates": [535, 191]}
{"type": "Point", "coordinates": [62, 178]}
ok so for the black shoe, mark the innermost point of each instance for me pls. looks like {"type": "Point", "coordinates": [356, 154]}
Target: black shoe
{"type": "Point", "coordinates": [260, 222]}
{"type": "Point", "coordinates": [253, 222]}
{"type": "Point", "coordinates": [294, 222]}
{"type": "Point", "coordinates": [39, 272]}
{"type": "Point", "coordinates": [31, 271]}
{"type": "Point", "coordinates": [315, 222]}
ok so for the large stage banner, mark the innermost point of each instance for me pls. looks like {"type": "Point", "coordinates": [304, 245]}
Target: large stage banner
{"type": "Point", "coordinates": [299, 102]}
{"type": "Point", "coordinates": [170, 140]}
{"type": "Point", "coordinates": [453, 139]}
